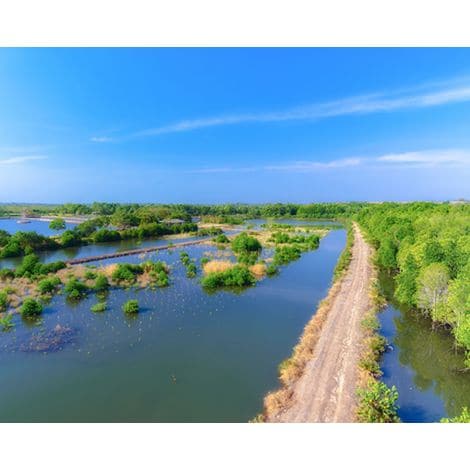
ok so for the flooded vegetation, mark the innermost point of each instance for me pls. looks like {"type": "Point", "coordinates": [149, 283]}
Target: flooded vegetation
{"type": "Point", "coordinates": [422, 362]}
{"type": "Point", "coordinates": [135, 351]}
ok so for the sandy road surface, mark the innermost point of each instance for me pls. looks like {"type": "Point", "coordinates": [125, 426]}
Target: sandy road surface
{"type": "Point", "coordinates": [326, 392]}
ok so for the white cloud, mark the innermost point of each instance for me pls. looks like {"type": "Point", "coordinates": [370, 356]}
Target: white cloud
{"type": "Point", "coordinates": [315, 165]}
{"type": "Point", "coordinates": [446, 157]}
{"type": "Point", "coordinates": [22, 159]}
{"type": "Point", "coordinates": [101, 139]}
{"type": "Point", "coordinates": [414, 98]}
{"type": "Point", "coordinates": [428, 158]}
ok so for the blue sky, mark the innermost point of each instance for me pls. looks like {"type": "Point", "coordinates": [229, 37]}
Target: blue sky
{"type": "Point", "coordinates": [234, 125]}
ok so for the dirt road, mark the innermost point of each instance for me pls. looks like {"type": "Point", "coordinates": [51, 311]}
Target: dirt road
{"type": "Point", "coordinates": [326, 392]}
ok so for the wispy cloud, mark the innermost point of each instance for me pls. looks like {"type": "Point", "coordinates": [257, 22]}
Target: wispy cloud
{"type": "Point", "coordinates": [446, 157]}
{"type": "Point", "coordinates": [101, 139]}
{"type": "Point", "coordinates": [423, 96]}
{"type": "Point", "coordinates": [424, 158]}
{"type": "Point", "coordinates": [21, 159]}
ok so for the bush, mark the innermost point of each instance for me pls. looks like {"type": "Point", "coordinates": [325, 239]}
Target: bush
{"type": "Point", "coordinates": [101, 283]}
{"type": "Point", "coordinates": [51, 267]}
{"type": "Point", "coordinates": [57, 224]}
{"type": "Point", "coordinates": [6, 321]}
{"type": "Point", "coordinates": [3, 301]}
{"type": "Point", "coordinates": [6, 273]}
{"type": "Point", "coordinates": [222, 238]}
{"type": "Point", "coordinates": [286, 254]}
{"type": "Point", "coordinates": [191, 270]}
{"type": "Point", "coordinates": [243, 243]}
{"type": "Point", "coordinates": [31, 308]}
{"type": "Point", "coordinates": [75, 289]}
{"type": "Point", "coordinates": [238, 276]}
{"type": "Point", "coordinates": [99, 307]}
{"type": "Point", "coordinates": [127, 273]}
{"type": "Point", "coordinates": [131, 307]}
{"type": "Point", "coordinates": [90, 275]}
{"type": "Point", "coordinates": [272, 270]}
{"type": "Point", "coordinates": [49, 285]}
{"type": "Point", "coordinates": [377, 404]}
{"type": "Point", "coordinates": [204, 260]}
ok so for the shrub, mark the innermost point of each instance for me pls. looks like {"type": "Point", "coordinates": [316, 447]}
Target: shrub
{"type": "Point", "coordinates": [31, 308]}
{"type": "Point", "coordinates": [127, 273]}
{"type": "Point", "coordinates": [238, 276]}
{"type": "Point", "coordinates": [222, 238]}
{"type": "Point", "coordinates": [204, 260]}
{"type": "Point", "coordinates": [28, 267]}
{"type": "Point", "coordinates": [99, 307]}
{"type": "Point", "coordinates": [101, 283]}
{"type": "Point", "coordinates": [49, 285]}
{"type": "Point", "coordinates": [6, 321]}
{"type": "Point", "coordinates": [90, 275]}
{"type": "Point", "coordinates": [75, 289]}
{"type": "Point", "coordinates": [57, 224]}
{"type": "Point", "coordinates": [191, 270]}
{"type": "Point", "coordinates": [131, 307]}
{"type": "Point", "coordinates": [286, 254]}
{"type": "Point", "coordinates": [244, 243]}
{"type": "Point", "coordinates": [272, 270]}
{"type": "Point", "coordinates": [377, 403]}
{"type": "Point", "coordinates": [3, 301]}
{"type": "Point", "coordinates": [6, 273]}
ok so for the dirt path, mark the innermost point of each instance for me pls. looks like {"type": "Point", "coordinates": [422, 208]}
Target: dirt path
{"type": "Point", "coordinates": [326, 390]}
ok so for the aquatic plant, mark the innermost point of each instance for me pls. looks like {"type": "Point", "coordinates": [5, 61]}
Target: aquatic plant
{"type": "Point", "coordinates": [75, 289]}
{"type": "Point", "coordinates": [238, 276]}
{"type": "Point", "coordinates": [464, 417]}
{"type": "Point", "coordinates": [245, 243]}
{"type": "Point", "coordinates": [131, 307]}
{"type": "Point", "coordinates": [99, 307]}
{"type": "Point", "coordinates": [6, 321]}
{"type": "Point", "coordinates": [3, 301]}
{"type": "Point", "coordinates": [377, 404]}
{"type": "Point", "coordinates": [31, 308]}
{"type": "Point", "coordinates": [48, 285]}
{"type": "Point", "coordinates": [286, 254]}
{"type": "Point", "coordinates": [272, 269]}
{"type": "Point", "coordinates": [101, 283]}
{"type": "Point", "coordinates": [57, 224]}
{"type": "Point", "coordinates": [222, 238]}
{"type": "Point", "coordinates": [127, 273]}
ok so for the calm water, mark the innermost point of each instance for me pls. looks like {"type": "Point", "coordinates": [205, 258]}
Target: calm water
{"type": "Point", "coordinates": [187, 356]}
{"type": "Point", "coordinates": [258, 223]}
{"type": "Point", "coordinates": [423, 364]}
{"type": "Point", "coordinates": [96, 249]}
{"type": "Point", "coordinates": [12, 226]}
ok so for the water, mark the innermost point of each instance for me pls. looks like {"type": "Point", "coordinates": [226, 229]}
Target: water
{"type": "Point", "coordinates": [257, 224]}
{"type": "Point", "coordinates": [422, 363]}
{"type": "Point", "coordinates": [12, 226]}
{"type": "Point", "coordinates": [96, 249]}
{"type": "Point", "coordinates": [188, 356]}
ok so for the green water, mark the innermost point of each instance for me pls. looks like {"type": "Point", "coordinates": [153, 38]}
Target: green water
{"type": "Point", "coordinates": [423, 363]}
{"type": "Point", "coordinates": [188, 356]}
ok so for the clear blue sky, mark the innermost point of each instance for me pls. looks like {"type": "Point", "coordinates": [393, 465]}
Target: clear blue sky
{"type": "Point", "coordinates": [248, 125]}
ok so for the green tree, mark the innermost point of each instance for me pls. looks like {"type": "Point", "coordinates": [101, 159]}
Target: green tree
{"type": "Point", "coordinates": [406, 281]}
{"type": "Point", "coordinates": [433, 284]}
{"type": "Point", "coordinates": [57, 224]}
